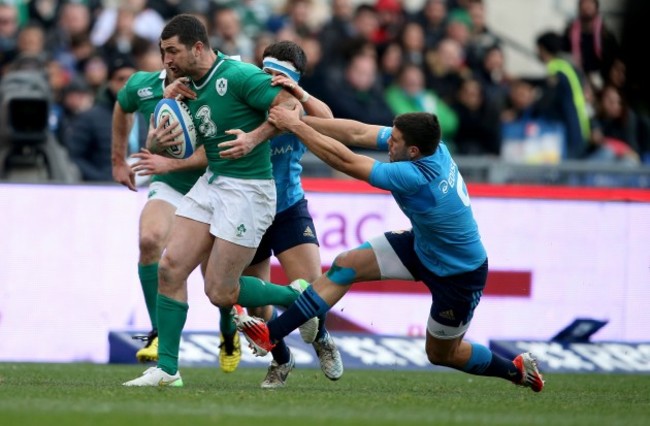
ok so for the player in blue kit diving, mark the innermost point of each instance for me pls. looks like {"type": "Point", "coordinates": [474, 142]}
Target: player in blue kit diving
{"type": "Point", "coordinates": [443, 249]}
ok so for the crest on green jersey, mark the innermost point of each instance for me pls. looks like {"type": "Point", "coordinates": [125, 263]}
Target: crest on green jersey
{"type": "Point", "coordinates": [222, 86]}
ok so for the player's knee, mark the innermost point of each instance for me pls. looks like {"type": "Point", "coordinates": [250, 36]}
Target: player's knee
{"type": "Point", "coordinates": [344, 259]}
{"type": "Point", "coordinates": [438, 358]}
{"type": "Point", "coordinates": [219, 296]}
{"type": "Point", "coordinates": [151, 244]}
{"type": "Point", "coordinates": [343, 270]}
{"type": "Point", "coordinates": [170, 271]}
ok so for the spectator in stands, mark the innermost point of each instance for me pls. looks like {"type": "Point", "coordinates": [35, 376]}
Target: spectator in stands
{"type": "Point", "coordinates": [149, 61]}
{"type": "Point", "coordinates": [167, 9]}
{"type": "Point", "coordinates": [411, 39]}
{"type": "Point", "coordinates": [409, 94]}
{"type": "Point", "coordinates": [8, 34]}
{"type": "Point", "coordinates": [43, 12]}
{"type": "Point", "coordinates": [31, 41]}
{"type": "Point", "coordinates": [391, 58]}
{"type": "Point", "coordinates": [365, 23]}
{"type": "Point", "coordinates": [58, 78]}
{"type": "Point", "coordinates": [617, 73]}
{"type": "Point", "coordinates": [75, 98]}
{"type": "Point", "coordinates": [459, 11]}
{"type": "Point", "coordinates": [125, 40]}
{"type": "Point", "coordinates": [227, 36]}
{"type": "Point", "coordinates": [296, 15]}
{"type": "Point", "coordinates": [592, 44]}
{"type": "Point", "coordinates": [253, 14]}
{"type": "Point", "coordinates": [620, 130]}
{"type": "Point", "coordinates": [74, 20]}
{"type": "Point", "coordinates": [391, 17]}
{"type": "Point", "coordinates": [481, 38]}
{"type": "Point", "coordinates": [337, 29]}
{"type": "Point", "coordinates": [360, 94]}
{"type": "Point", "coordinates": [95, 72]}
{"type": "Point", "coordinates": [80, 51]}
{"type": "Point", "coordinates": [146, 22]}
{"type": "Point", "coordinates": [520, 102]}
{"type": "Point", "coordinates": [564, 99]}
{"type": "Point", "coordinates": [89, 137]}
{"type": "Point", "coordinates": [289, 33]}
{"type": "Point", "coordinates": [335, 72]}
{"type": "Point", "coordinates": [433, 19]}
{"type": "Point", "coordinates": [446, 69]}
{"type": "Point", "coordinates": [459, 31]}
{"type": "Point", "coordinates": [494, 77]}
{"type": "Point", "coordinates": [479, 126]}
{"type": "Point", "coordinates": [315, 71]}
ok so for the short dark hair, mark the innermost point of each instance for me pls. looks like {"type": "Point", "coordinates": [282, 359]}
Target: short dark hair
{"type": "Point", "coordinates": [288, 51]}
{"type": "Point", "coordinates": [551, 42]}
{"type": "Point", "coordinates": [188, 28]}
{"type": "Point", "coordinates": [420, 129]}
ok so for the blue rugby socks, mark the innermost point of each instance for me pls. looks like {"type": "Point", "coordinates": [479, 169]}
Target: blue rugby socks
{"type": "Point", "coordinates": [484, 362]}
{"type": "Point", "coordinates": [307, 306]}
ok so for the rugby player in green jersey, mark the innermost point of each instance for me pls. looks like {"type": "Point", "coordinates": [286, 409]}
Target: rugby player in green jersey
{"type": "Point", "coordinates": [141, 94]}
{"type": "Point", "coordinates": [224, 216]}
{"type": "Point", "coordinates": [292, 236]}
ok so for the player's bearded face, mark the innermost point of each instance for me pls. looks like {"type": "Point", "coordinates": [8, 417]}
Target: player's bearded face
{"type": "Point", "coordinates": [177, 58]}
{"type": "Point", "coordinates": [399, 153]}
{"type": "Point", "coordinates": [186, 63]}
{"type": "Point", "coordinates": [397, 149]}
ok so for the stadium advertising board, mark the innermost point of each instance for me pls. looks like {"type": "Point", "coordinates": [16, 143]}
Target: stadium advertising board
{"type": "Point", "coordinates": [68, 269]}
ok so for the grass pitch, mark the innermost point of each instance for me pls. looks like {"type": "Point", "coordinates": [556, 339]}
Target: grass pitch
{"type": "Point", "coordinates": [90, 394]}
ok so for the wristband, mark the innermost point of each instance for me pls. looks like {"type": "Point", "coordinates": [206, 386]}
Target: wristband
{"type": "Point", "coordinates": [305, 96]}
{"type": "Point", "coordinates": [382, 138]}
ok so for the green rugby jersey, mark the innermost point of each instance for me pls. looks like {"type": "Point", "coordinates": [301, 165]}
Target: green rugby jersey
{"type": "Point", "coordinates": [142, 93]}
{"type": "Point", "coordinates": [233, 95]}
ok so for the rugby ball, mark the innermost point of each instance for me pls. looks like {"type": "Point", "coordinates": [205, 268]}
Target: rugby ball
{"type": "Point", "coordinates": [177, 111]}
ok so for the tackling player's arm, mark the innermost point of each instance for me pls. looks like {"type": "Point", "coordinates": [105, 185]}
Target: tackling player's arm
{"type": "Point", "coordinates": [121, 126]}
{"type": "Point", "coordinates": [348, 132]}
{"type": "Point", "coordinates": [152, 164]}
{"type": "Point", "coordinates": [179, 89]}
{"type": "Point", "coordinates": [246, 142]}
{"type": "Point", "coordinates": [312, 105]}
{"type": "Point", "coordinates": [331, 151]}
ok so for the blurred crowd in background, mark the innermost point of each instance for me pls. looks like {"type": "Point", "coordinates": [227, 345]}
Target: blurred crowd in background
{"type": "Point", "coordinates": [368, 61]}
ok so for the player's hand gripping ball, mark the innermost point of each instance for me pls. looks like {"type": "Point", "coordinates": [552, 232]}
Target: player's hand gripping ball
{"type": "Point", "coordinates": [179, 112]}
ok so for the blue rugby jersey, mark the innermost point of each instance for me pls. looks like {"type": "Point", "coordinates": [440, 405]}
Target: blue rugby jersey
{"type": "Point", "coordinates": [286, 152]}
{"type": "Point", "coordinates": [432, 194]}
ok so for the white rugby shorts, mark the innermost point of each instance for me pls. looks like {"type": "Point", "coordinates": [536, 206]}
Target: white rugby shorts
{"type": "Point", "coordinates": [162, 191]}
{"type": "Point", "coordinates": [391, 267]}
{"type": "Point", "coordinates": [237, 210]}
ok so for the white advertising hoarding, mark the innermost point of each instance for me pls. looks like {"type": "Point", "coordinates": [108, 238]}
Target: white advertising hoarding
{"type": "Point", "coordinates": [68, 269]}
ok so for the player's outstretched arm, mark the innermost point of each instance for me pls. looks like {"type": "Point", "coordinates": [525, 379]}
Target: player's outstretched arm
{"type": "Point", "coordinates": [246, 142]}
{"type": "Point", "coordinates": [331, 151]}
{"type": "Point", "coordinates": [121, 126]}
{"type": "Point", "coordinates": [152, 164]}
{"type": "Point", "coordinates": [179, 89]}
{"type": "Point", "coordinates": [312, 105]}
{"type": "Point", "coordinates": [348, 132]}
